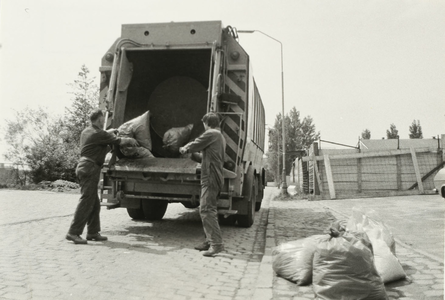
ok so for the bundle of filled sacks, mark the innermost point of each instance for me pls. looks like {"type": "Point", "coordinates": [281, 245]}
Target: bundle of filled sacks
{"type": "Point", "coordinates": [351, 263]}
{"type": "Point", "coordinates": [139, 129]}
{"type": "Point", "coordinates": [176, 137]}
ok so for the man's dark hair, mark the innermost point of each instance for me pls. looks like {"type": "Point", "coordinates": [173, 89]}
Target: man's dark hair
{"type": "Point", "coordinates": [211, 119]}
{"type": "Point", "coordinates": [96, 114]}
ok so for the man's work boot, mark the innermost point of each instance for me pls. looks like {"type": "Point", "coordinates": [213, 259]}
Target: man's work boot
{"type": "Point", "coordinates": [203, 247]}
{"type": "Point", "coordinates": [96, 237]}
{"type": "Point", "coordinates": [76, 239]}
{"type": "Point", "coordinates": [214, 250]}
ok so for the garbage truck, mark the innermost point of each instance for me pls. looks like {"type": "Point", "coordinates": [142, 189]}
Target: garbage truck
{"type": "Point", "coordinates": [178, 72]}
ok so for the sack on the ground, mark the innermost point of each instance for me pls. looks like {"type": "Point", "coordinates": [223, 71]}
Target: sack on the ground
{"type": "Point", "coordinates": [343, 268]}
{"type": "Point", "coordinates": [387, 264]}
{"type": "Point", "coordinates": [337, 228]}
{"type": "Point", "coordinates": [139, 129]}
{"type": "Point", "coordinates": [368, 221]}
{"type": "Point", "coordinates": [386, 261]}
{"type": "Point", "coordinates": [177, 137]}
{"type": "Point", "coordinates": [293, 260]}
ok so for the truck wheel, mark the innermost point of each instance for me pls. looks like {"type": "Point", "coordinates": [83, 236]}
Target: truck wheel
{"type": "Point", "coordinates": [249, 194]}
{"type": "Point", "coordinates": [190, 204]}
{"type": "Point", "coordinates": [154, 209]}
{"type": "Point", "coordinates": [229, 221]}
{"type": "Point", "coordinates": [136, 213]}
{"type": "Point", "coordinates": [257, 206]}
{"type": "Point", "coordinates": [260, 196]}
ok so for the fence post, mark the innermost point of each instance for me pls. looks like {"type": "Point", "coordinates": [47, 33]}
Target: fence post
{"type": "Point", "coordinates": [316, 175]}
{"type": "Point", "coordinates": [416, 169]}
{"type": "Point", "coordinates": [399, 172]}
{"type": "Point", "coordinates": [442, 141]}
{"type": "Point", "coordinates": [327, 164]}
{"type": "Point", "coordinates": [359, 175]}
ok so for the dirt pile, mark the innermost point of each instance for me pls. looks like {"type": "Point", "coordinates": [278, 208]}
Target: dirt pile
{"type": "Point", "coordinates": [59, 186]}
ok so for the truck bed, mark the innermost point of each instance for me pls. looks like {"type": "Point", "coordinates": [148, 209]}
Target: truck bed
{"type": "Point", "coordinates": [157, 165]}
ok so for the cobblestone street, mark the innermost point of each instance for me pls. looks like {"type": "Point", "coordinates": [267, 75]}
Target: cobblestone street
{"type": "Point", "coordinates": [156, 260]}
{"type": "Point", "coordinates": [141, 260]}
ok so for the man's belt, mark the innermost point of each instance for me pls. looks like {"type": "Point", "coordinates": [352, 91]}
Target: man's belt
{"type": "Point", "coordinates": [84, 158]}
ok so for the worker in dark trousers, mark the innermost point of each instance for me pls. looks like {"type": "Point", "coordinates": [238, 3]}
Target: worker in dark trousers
{"type": "Point", "coordinates": [94, 143]}
{"type": "Point", "coordinates": [213, 145]}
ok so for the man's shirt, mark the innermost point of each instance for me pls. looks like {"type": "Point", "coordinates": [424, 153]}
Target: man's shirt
{"type": "Point", "coordinates": [213, 146]}
{"type": "Point", "coordinates": [94, 143]}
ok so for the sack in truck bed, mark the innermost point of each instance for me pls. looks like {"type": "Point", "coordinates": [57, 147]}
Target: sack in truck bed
{"type": "Point", "coordinates": [177, 137]}
{"type": "Point", "coordinates": [139, 129]}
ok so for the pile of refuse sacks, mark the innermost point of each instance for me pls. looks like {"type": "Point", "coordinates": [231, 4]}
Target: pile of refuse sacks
{"type": "Point", "coordinates": [139, 129]}
{"type": "Point", "coordinates": [352, 262]}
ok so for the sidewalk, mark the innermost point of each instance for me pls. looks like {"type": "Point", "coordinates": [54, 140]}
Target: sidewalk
{"type": "Point", "coordinates": [415, 221]}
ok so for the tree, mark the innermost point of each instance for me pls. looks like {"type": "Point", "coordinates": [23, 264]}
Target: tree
{"type": "Point", "coordinates": [86, 95]}
{"type": "Point", "coordinates": [49, 145]}
{"type": "Point", "coordinates": [23, 131]}
{"type": "Point", "coordinates": [392, 133]}
{"type": "Point", "coordinates": [50, 158]}
{"type": "Point", "coordinates": [366, 134]}
{"type": "Point", "coordinates": [415, 130]}
{"type": "Point", "coordinates": [300, 134]}
{"type": "Point", "coordinates": [77, 117]}
{"type": "Point", "coordinates": [27, 130]}
{"type": "Point", "coordinates": [273, 154]}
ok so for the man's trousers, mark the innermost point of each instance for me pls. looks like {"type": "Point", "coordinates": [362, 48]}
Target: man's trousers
{"type": "Point", "coordinates": [209, 214]}
{"type": "Point", "coordinates": [88, 208]}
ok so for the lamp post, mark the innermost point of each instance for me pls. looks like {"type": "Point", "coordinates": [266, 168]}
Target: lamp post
{"type": "Point", "coordinates": [284, 183]}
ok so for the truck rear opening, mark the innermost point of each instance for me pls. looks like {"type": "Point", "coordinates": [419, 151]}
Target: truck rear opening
{"type": "Point", "coordinates": [173, 85]}
{"type": "Point", "coordinates": [179, 72]}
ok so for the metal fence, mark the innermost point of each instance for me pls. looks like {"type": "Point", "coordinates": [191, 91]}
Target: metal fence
{"type": "Point", "coordinates": [346, 173]}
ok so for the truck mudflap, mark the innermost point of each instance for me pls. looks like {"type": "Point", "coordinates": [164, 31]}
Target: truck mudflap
{"type": "Point", "coordinates": [157, 165]}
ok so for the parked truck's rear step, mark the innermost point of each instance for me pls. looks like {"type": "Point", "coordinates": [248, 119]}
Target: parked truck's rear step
{"type": "Point", "coordinates": [158, 165]}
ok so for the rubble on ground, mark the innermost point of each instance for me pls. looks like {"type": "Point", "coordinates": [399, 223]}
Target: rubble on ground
{"type": "Point", "coordinates": [58, 185]}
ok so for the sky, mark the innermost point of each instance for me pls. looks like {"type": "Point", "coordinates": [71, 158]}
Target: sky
{"type": "Point", "coordinates": [350, 65]}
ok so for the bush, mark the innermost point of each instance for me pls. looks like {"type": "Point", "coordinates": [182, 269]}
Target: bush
{"type": "Point", "coordinates": [51, 160]}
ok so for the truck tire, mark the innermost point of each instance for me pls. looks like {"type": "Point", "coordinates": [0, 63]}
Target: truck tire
{"type": "Point", "coordinates": [190, 204]}
{"type": "Point", "coordinates": [136, 213]}
{"type": "Point", "coordinates": [260, 195]}
{"type": "Point", "coordinates": [258, 205]}
{"type": "Point", "coordinates": [249, 187]}
{"type": "Point", "coordinates": [229, 221]}
{"type": "Point", "coordinates": [154, 209]}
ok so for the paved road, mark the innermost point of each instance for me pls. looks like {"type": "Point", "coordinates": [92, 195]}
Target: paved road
{"type": "Point", "coordinates": [156, 260]}
{"type": "Point", "coordinates": [141, 260]}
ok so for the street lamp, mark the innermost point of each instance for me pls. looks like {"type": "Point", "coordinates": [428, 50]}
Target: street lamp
{"type": "Point", "coordinates": [284, 183]}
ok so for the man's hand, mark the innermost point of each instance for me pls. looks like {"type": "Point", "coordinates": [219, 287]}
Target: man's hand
{"type": "Point", "coordinates": [129, 142]}
{"type": "Point", "coordinates": [182, 150]}
{"type": "Point", "coordinates": [113, 130]}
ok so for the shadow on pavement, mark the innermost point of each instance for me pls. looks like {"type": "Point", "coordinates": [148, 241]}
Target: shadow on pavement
{"type": "Point", "coordinates": [181, 231]}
